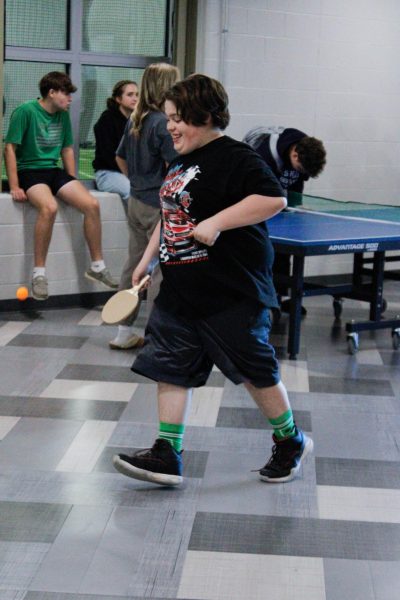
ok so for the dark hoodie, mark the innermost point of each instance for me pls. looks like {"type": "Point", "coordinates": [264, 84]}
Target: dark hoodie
{"type": "Point", "coordinates": [289, 178]}
{"type": "Point", "coordinates": [108, 132]}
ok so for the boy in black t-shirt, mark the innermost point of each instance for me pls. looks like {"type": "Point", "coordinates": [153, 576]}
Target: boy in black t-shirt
{"type": "Point", "coordinates": [214, 301]}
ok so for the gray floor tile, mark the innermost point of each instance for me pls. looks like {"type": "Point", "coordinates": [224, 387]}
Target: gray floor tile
{"type": "Point", "coordinates": [38, 443]}
{"type": "Point", "coordinates": [231, 485]}
{"type": "Point", "coordinates": [82, 556]}
{"type": "Point", "coordinates": [32, 595]}
{"type": "Point", "coordinates": [28, 371]}
{"type": "Point", "coordinates": [216, 379]}
{"type": "Point", "coordinates": [358, 473]}
{"type": "Point", "coordinates": [346, 367]}
{"type": "Point", "coordinates": [13, 595]}
{"type": "Point", "coordinates": [361, 580]}
{"type": "Point", "coordinates": [252, 418]}
{"type": "Point", "coordinates": [96, 350]}
{"type": "Point", "coordinates": [59, 408]}
{"type": "Point", "coordinates": [236, 396]}
{"type": "Point", "coordinates": [385, 580]}
{"type": "Point", "coordinates": [19, 562]}
{"type": "Point", "coordinates": [162, 561]}
{"type": "Point", "coordinates": [390, 357]}
{"type": "Point", "coordinates": [347, 434]}
{"type": "Point", "coordinates": [142, 408]}
{"type": "Point", "coordinates": [61, 596]}
{"type": "Point", "coordinates": [255, 534]}
{"type": "Point", "coordinates": [111, 550]}
{"type": "Point", "coordinates": [345, 579]}
{"type": "Point", "coordinates": [365, 387]}
{"type": "Point", "coordinates": [346, 403]}
{"type": "Point", "coordinates": [47, 341]}
{"type": "Point", "coordinates": [95, 489]}
{"type": "Point", "coordinates": [31, 521]}
{"type": "Point", "coordinates": [99, 373]}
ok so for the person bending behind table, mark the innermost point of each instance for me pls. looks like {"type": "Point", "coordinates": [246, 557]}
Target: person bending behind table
{"type": "Point", "coordinates": [293, 157]}
{"type": "Point", "coordinates": [216, 291]}
{"type": "Point", "coordinates": [108, 132]}
{"type": "Point", "coordinates": [38, 135]}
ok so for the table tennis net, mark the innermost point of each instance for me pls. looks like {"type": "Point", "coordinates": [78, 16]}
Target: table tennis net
{"type": "Point", "coordinates": [379, 212]}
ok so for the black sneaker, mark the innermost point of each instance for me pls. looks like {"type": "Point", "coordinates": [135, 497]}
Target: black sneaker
{"type": "Point", "coordinates": [159, 464]}
{"type": "Point", "coordinates": [286, 459]}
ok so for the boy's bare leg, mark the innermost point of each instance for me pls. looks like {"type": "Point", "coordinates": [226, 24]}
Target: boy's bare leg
{"type": "Point", "coordinates": [272, 401]}
{"type": "Point", "coordinates": [42, 199]}
{"type": "Point", "coordinates": [173, 403]}
{"type": "Point", "coordinates": [75, 194]}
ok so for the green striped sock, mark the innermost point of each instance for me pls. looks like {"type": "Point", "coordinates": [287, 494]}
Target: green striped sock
{"type": "Point", "coordinates": [173, 434]}
{"type": "Point", "coordinates": [283, 425]}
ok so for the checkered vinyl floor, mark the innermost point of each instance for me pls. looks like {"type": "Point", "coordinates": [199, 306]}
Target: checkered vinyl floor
{"type": "Point", "coordinates": [71, 528]}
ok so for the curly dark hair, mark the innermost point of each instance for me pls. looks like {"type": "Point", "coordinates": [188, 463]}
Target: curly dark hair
{"type": "Point", "coordinates": [312, 155]}
{"type": "Point", "coordinates": [197, 97]}
{"type": "Point", "coordinates": [57, 81]}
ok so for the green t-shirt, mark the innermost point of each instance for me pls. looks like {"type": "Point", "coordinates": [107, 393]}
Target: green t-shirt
{"type": "Point", "coordinates": [39, 135]}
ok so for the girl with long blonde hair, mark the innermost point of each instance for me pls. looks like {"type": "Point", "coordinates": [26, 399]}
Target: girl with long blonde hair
{"type": "Point", "coordinates": [145, 151]}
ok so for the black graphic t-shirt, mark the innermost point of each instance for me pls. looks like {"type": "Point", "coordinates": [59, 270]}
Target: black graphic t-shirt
{"type": "Point", "coordinates": [200, 280]}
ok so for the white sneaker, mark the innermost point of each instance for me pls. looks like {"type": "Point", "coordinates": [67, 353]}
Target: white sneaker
{"type": "Point", "coordinates": [40, 287]}
{"type": "Point", "coordinates": [133, 341]}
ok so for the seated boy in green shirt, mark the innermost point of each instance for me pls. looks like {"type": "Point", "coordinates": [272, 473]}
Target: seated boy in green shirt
{"type": "Point", "coordinates": [39, 134]}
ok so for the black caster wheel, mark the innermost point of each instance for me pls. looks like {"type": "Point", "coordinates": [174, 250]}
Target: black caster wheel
{"type": "Point", "coordinates": [396, 339]}
{"type": "Point", "coordinates": [337, 307]}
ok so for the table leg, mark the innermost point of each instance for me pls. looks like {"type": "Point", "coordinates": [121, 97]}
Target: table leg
{"type": "Point", "coordinates": [296, 296]}
{"type": "Point", "coordinates": [378, 274]}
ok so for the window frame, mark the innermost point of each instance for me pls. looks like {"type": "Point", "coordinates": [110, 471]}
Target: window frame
{"type": "Point", "coordinates": [74, 58]}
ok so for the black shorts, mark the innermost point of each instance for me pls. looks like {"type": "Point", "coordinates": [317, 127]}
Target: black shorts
{"type": "Point", "coordinates": [182, 351]}
{"type": "Point", "coordinates": [54, 178]}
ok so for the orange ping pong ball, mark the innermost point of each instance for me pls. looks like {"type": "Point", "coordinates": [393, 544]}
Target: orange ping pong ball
{"type": "Point", "coordinates": [22, 293]}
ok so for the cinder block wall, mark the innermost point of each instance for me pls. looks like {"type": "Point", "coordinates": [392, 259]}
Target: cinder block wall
{"type": "Point", "coordinates": [68, 255]}
{"type": "Point", "coordinates": [325, 67]}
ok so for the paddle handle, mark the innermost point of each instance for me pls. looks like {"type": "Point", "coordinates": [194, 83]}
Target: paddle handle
{"type": "Point", "coordinates": [138, 287]}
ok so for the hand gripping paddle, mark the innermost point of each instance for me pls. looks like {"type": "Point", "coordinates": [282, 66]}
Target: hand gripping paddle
{"type": "Point", "coordinates": [122, 304]}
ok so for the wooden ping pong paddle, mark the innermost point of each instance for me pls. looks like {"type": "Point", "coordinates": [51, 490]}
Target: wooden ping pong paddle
{"type": "Point", "coordinates": [122, 304]}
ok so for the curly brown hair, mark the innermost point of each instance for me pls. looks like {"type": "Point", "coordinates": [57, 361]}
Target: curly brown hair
{"type": "Point", "coordinates": [57, 81]}
{"type": "Point", "coordinates": [199, 97]}
{"type": "Point", "coordinates": [312, 155]}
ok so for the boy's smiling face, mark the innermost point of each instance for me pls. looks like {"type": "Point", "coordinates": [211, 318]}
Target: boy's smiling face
{"type": "Point", "coordinates": [187, 137]}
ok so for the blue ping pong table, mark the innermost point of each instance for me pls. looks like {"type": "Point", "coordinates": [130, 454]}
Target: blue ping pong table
{"type": "Point", "coordinates": [301, 233]}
